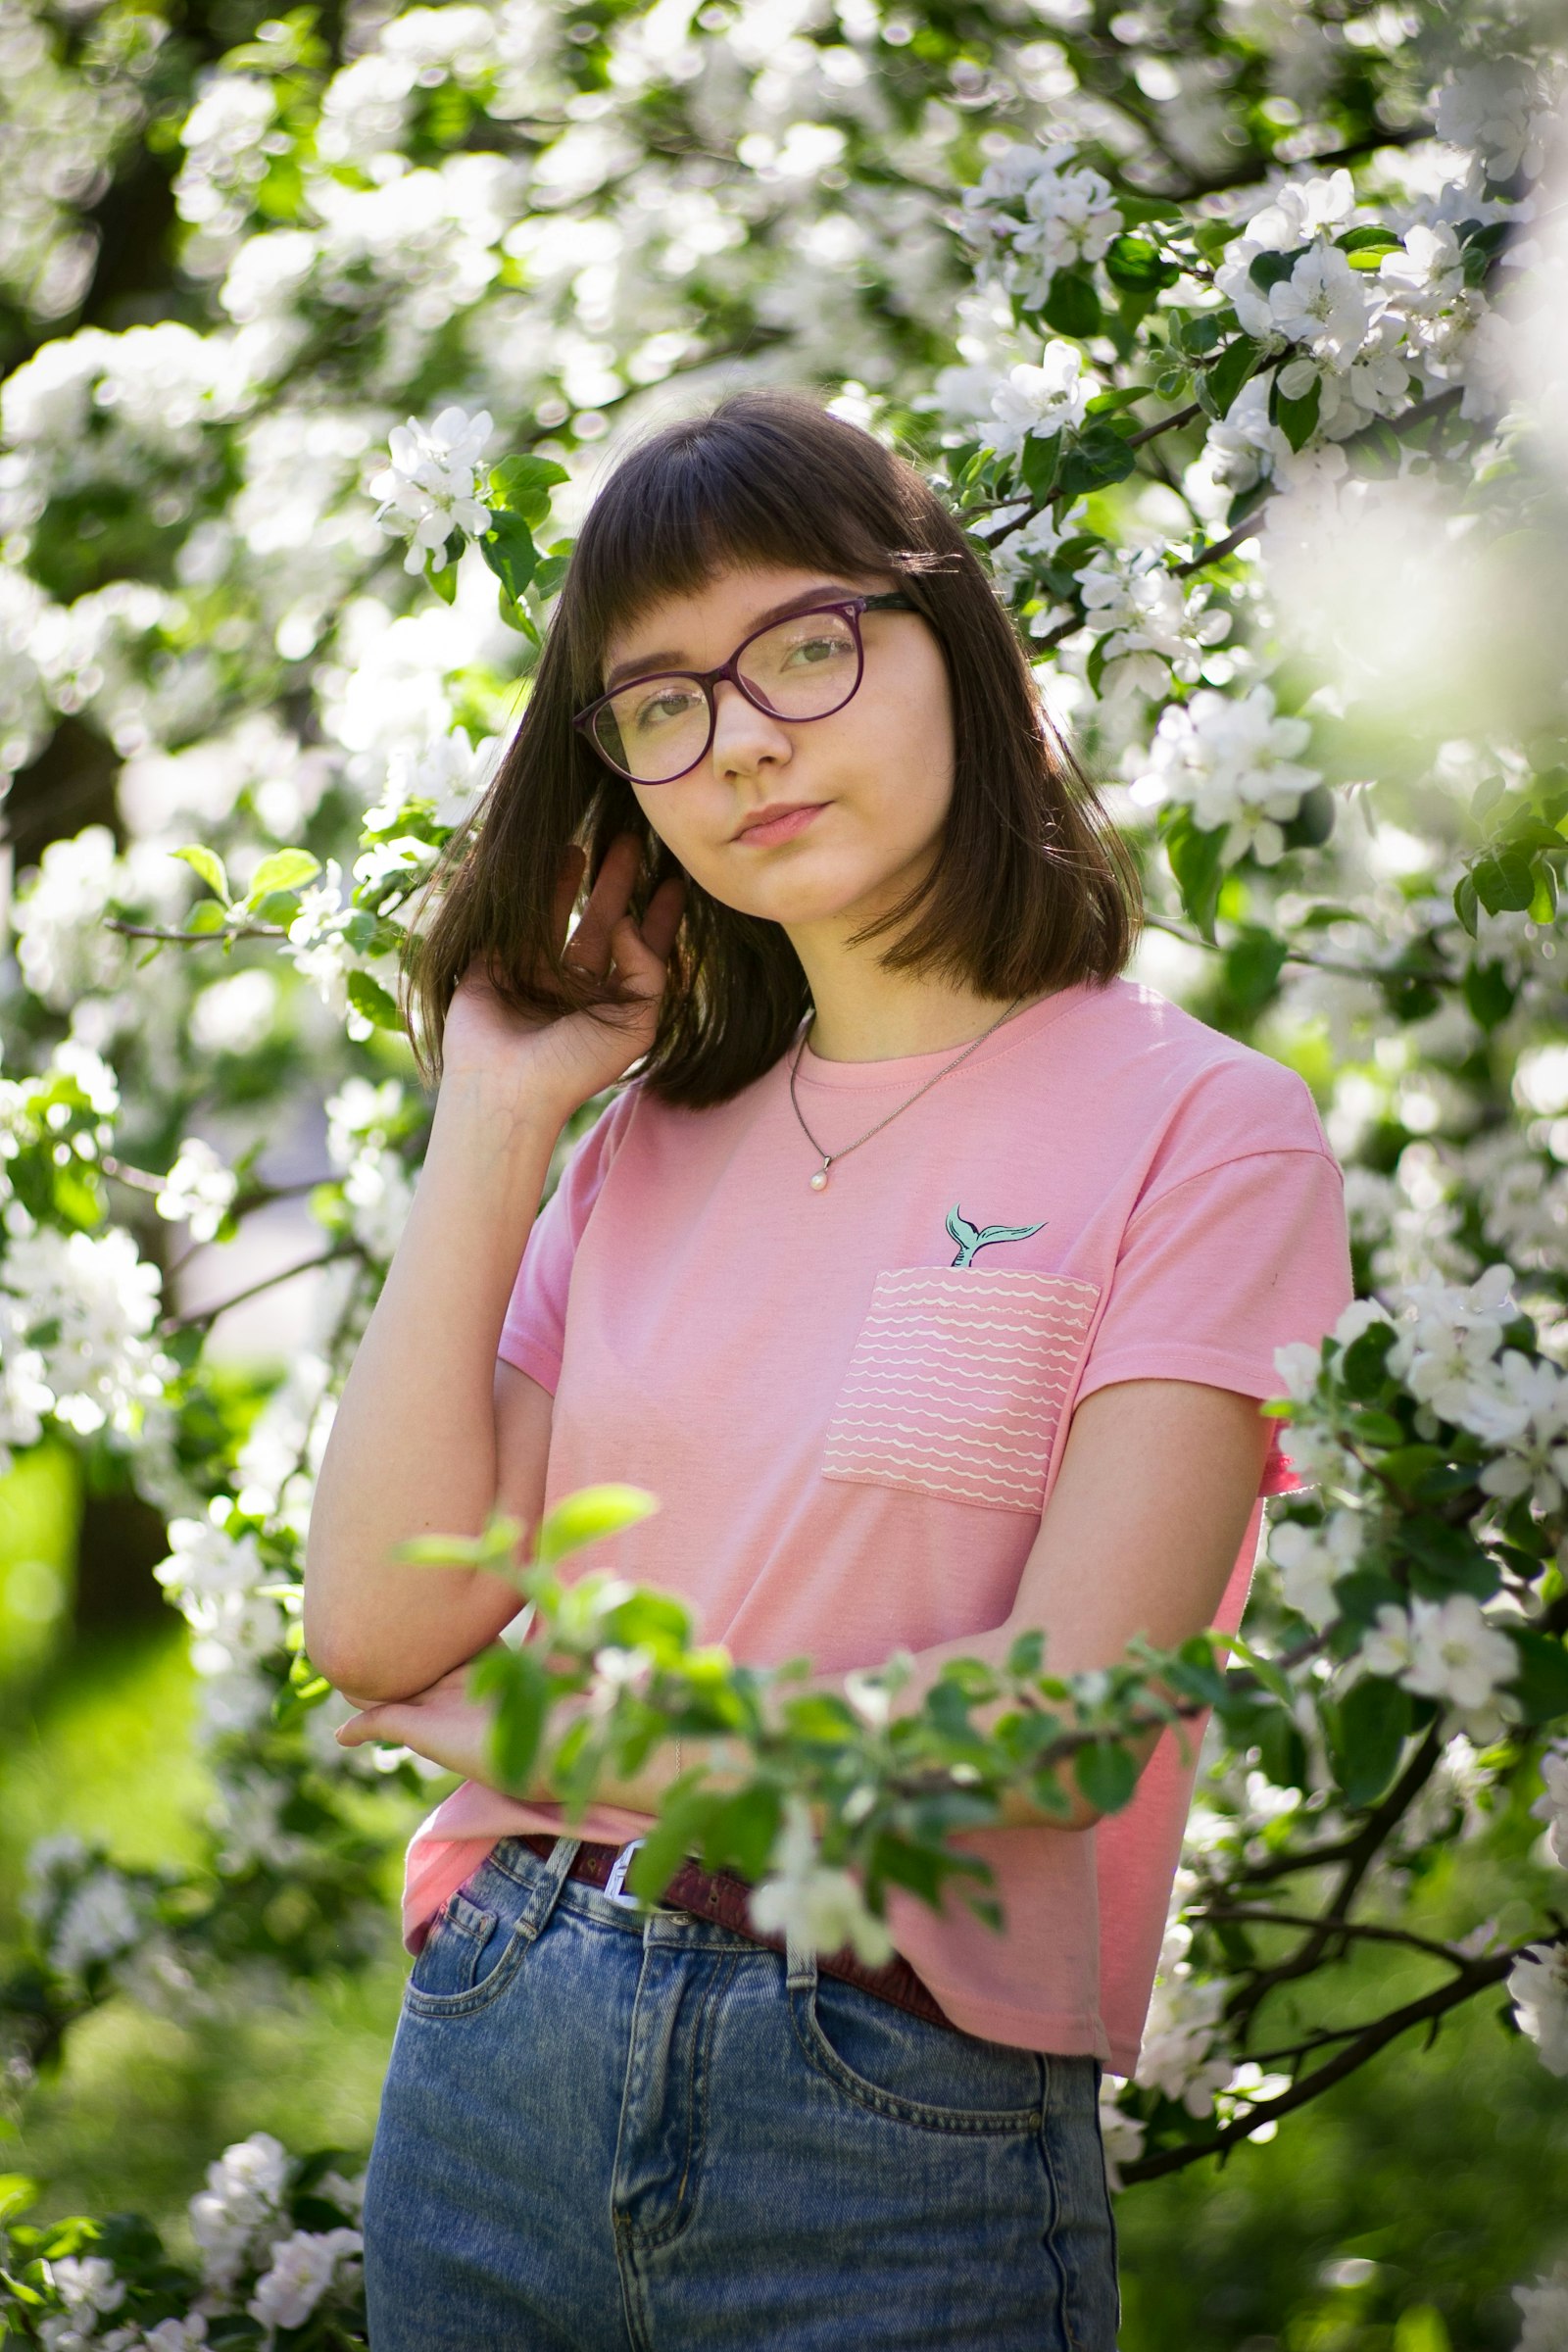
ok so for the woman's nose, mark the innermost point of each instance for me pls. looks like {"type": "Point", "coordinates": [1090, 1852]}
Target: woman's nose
{"type": "Point", "coordinates": [744, 736]}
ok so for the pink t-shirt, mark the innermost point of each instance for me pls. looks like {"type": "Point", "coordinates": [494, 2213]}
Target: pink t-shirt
{"type": "Point", "coordinates": [851, 1402]}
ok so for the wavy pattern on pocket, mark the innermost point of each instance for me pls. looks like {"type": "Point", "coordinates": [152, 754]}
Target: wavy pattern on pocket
{"type": "Point", "coordinates": [957, 1381]}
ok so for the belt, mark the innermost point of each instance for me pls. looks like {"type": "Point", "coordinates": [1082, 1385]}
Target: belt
{"type": "Point", "coordinates": [719, 1895]}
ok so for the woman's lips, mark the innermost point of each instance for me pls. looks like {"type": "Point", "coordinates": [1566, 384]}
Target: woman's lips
{"type": "Point", "coordinates": [783, 828]}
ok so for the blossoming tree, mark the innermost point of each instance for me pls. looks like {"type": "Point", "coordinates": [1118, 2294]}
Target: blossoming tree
{"type": "Point", "coordinates": [1231, 336]}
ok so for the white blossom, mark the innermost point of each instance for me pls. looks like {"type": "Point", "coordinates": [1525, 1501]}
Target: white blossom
{"type": "Point", "coordinates": [1538, 1986]}
{"type": "Point", "coordinates": [1121, 2133]}
{"type": "Point", "coordinates": [242, 2203]}
{"type": "Point", "coordinates": [210, 1577]}
{"type": "Point", "coordinates": [1069, 216]}
{"type": "Point", "coordinates": [198, 1191]}
{"type": "Point", "coordinates": [804, 1898]}
{"type": "Point", "coordinates": [86, 2282]}
{"type": "Point", "coordinates": [1179, 2056]}
{"type": "Point", "coordinates": [1232, 760]}
{"type": "Point", "coordinates": [1053, 398]}
{"type": "Point", "coordinates": [1544, 2307]}
{"type": "Point", "coordinates": [1498, 107]}
{"type": "Point", "coordinates": [88, 1302]}
{"type": "Point", "coordinates": [1523, 1407]}
{"type": "Point", "coordinates": [1325, 306]}
{"type": "Point", "coordinates": [1441, 1649]}
{"type": "Point", "coordinates": [1551, 1805]}
{"type": "Point", "coordinates": [303, 2269]}
{"type": "Point", "coordinates": [432, 488]}
{"type": "Point", "coordinates": [1148, 626]}
{"type": "Point", "coordinates": [1313, 1559]}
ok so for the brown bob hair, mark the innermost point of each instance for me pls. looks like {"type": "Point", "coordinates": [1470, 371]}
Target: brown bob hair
{"type": "Point", "coordinates": [1032, 888]}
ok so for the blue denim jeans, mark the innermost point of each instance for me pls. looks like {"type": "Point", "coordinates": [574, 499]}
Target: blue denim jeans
{"type": "Point", "coordinates": [602, 2131]}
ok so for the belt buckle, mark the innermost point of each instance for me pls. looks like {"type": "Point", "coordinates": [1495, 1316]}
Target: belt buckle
{"type": "Point", "coordinates": [617, 1879]}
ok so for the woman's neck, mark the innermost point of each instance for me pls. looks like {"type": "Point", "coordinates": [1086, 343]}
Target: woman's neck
{"type": "Point", "coordinates": [881, 1017]}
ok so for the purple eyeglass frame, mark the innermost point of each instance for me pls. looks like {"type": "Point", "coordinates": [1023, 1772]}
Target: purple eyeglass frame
{"type": "Point", "coordinates": [892, 600]}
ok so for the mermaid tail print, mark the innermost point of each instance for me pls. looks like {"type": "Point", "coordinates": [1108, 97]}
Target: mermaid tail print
{"type": "Point", "coordinates": [971, 1237]}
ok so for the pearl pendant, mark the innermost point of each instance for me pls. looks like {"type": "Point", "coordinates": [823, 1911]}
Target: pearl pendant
{"type": "Point", "coordinates": [820, 1181]}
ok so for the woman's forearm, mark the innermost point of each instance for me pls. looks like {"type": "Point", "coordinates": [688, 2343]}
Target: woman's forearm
{"type": "Point", "coordinates": [413, 1446]}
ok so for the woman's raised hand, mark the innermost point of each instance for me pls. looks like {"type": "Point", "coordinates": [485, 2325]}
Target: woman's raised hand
{"type": "Point", "coordinates": [574, 1057]}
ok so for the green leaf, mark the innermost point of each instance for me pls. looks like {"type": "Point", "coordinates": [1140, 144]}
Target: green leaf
{"type": "Point", "coordinates": [1465, 903]}
{"type": "Point", "coordinates": [523, 486]}
{"type": "Point", "coordinates": [1542, 1678]}
{"type": "Point", "coordinates": [740, 1831]}
{"type": "Point", "coordinates": [205, 917]}
{"type": "Point", "coordinates": [549, 574]}
{"type": "Point", "coordinates": [1542, 906]}
{"type": "Point", "coordinates": [372, 1002]}
{"type": "Point", "coordinates": [1252, 967]}
{"type": "Point", "coordinates": [17, 2194]}
{"type": "Point", "coordinates": [1376, 1429]}
{"type": "Point", "coordinates": [1196, 861]}
{"type": "Point", "coordinates": [1446, 1559]}
{"type": "Point", "coordinates": [1107, 1774]}
{"type": "Point", "coordinates": [1489, 993]}
{"type": "Point", "coordinates": [1269, 270]}
{"type": "Point", "coordinates": [1027, 1654]}
{"type": "Point", "coordinates": [1298, 418]}
{"type": "Point", "coordinates": [1360, 1366]}
{"type": "Point", "coordinates": [1038, 461]}
{"type": "Point", "coordinates": [508, 548]}
{"type": "Point", "coordinates": [589, 1515]}
{"type": "Point", "coordinates": [1407, 1465]}
{"type": "Point", "coordinates": [1368, 240]}
{"type": "Point", "coordinates": [1282, 1751]}
{"type": "Point", "coordinates": [1072, 307]}
{"type": "Point", "coordinates": [1366, 1732]}
{"type": "Point", "coordinates": [1124, 396]}
{"type": "Point", "coordinates": [1504, 884]}
{"type": "Point", "coordinates": [1137, 265]}
{"type": "Point", "coordinates": [1097, 457]}
{"type": "Point", "coordinates": [285, 870]}
{"type": "Point", "coordinates": [521, 1705]}
{"type": "Point", "coordinates": [1220, 383]}
{"type": "Point", "coordinates": [444, 581]}
{"type": "Point", "coordinates": [208, 864]}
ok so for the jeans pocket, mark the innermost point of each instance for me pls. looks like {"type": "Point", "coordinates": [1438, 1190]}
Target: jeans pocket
{"type": "Point", "coordinates": [469, 1957]}
{"type": "Point", "coordinates": [910, 2070]}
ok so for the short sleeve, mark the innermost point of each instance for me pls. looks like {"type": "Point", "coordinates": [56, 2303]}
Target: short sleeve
{"type": "Point", "coordinates": [534, 1333]}
{"type": "Point", "coordinates": [1217, 1271]}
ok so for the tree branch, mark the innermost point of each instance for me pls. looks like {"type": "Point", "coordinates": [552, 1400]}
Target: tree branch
{"type": "Point", "coordinates": [210, 1314]}
{"type": "Point", "coordinates": [1368, 2041]}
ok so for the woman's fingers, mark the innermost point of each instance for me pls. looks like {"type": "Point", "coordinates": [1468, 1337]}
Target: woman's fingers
{"type": "Point", "coordinates": [568, 881]}
{"type": "Point", "coordinates": [663, 919]}
{"type": "Point", "coordinates": [607, 901]}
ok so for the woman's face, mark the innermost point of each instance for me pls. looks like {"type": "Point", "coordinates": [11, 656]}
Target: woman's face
{"type": "Point", "coordinates": [879, 771]}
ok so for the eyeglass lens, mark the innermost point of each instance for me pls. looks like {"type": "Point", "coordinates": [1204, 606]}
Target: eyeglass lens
{"type": "Point", "coordinates": [804, 668]}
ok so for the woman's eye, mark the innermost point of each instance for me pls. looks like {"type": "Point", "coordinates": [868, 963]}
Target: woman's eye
{"type": "Point", "coordinates": [660, 708]}
{"type": "Point", "coordinates": [816, 649]}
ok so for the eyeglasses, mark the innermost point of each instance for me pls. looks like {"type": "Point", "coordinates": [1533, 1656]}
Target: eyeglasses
{"type": "Point", "coordinates": [655, 728]}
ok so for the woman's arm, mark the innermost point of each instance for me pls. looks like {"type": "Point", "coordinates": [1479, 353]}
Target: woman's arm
{"type": "Point", "coordinates": [1141, 1534]}
{"type": "Point", "coordinates": [1157, 1485]}
{"type": "Point", "coordinates": [429, 1436]}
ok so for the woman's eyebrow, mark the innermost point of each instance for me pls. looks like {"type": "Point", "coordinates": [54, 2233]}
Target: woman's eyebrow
{"type": "Point", "coordinates": [641, 663]}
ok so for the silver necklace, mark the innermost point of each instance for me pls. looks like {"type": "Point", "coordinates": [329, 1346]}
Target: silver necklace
{"type": "Point", "coordinates": [819, 1178]}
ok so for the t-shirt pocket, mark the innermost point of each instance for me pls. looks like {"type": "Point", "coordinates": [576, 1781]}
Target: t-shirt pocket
{"type": "Point", "coordinates": [957, 1381]}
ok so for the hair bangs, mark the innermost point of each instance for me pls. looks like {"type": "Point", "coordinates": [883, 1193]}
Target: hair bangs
{"type": "Point", "coordinates": [677, 512]}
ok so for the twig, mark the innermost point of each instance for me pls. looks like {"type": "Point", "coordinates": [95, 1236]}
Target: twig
{"type": "Point", "coordinates": [209, 1314]}
{"type": "Point", "coordinates": [1369, 2040]}
{"type": "Point", "coordinates": [1260, 1915]}
{"type": "Point", "coordinates": [194, 939]}
{"type": "Point", "coordinates": [1164, 424]}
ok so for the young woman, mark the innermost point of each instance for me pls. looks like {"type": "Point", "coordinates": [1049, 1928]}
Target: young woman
{"type": "Point", "coordinates": [930, 1272]}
